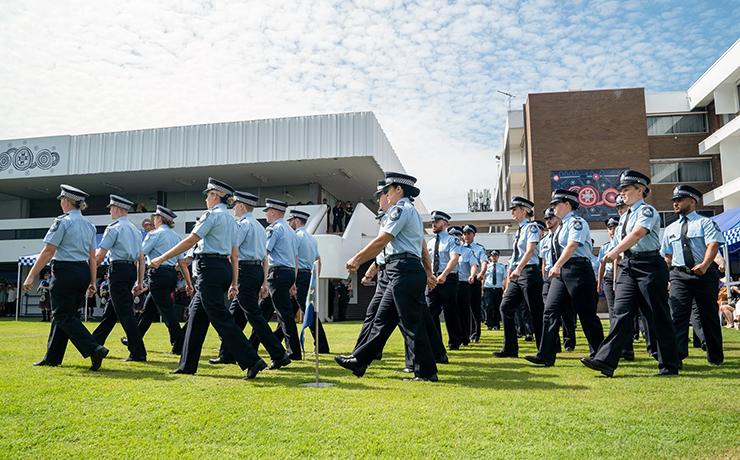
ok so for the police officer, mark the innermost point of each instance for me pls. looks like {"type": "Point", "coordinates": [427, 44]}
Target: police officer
{"type": "Point", "coordinates": [641, 281]}
{"type": "Point", "coordinates": [252, 241]}
{"type": "Point", "coordinates": [217, 232]}
{"type": "Point", "coordinates": [163, 280]}
{"type": "Point", "coordinates": [123, 240]}
{"type": "Point", "coordinates": [44, 300]}
{"type": "Point", "coordinates": [308, 253]}
{"type": "Point", "coordinates": [467, 269]}
{"type": "Point", "coordinates": [689, 246]}
{"type": "Point", "coordinates": [476, 287]}
{"type": "Point", "coordinates": [493, 291]}
{"type": "Point", "coordinates": [525, 278]}
{"type": "Point", "coordinates": [282, 257]}
{"type": "Point", "coordinates": [402, 234]}
{"type": "Point", "coordinates": [444, 251]}
{"type": "Point", "coordinates": [70, 245]}
{"type": "Point", "coordinates": [572, 279]}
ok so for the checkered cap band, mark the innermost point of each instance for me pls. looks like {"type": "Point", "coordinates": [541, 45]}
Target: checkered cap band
{"type": "Point", "coordinates": [218, 188]}
{"type": "Point", "coordinates": [299, 214]}
{"type": "Point", "coordinates": [273, 205]}
{"type": "Point", "coordinates": [71, 196]}
{"type": "Point", "coordinates": [166, 213]}
{"type": "Point", "coordinates": [678, 192]}
{"type": "Point", "coordinates": [119, 204]}
{"type": "Point", "coordinates": [245, 200]}
{"type": "Point", "coordinates": [634, 179]}
{"type": "Point", "coordinates": [400, 180]}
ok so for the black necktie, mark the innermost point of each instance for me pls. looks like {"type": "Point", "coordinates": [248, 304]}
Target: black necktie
{"type": "Point", "coordinates": [436, 254]}
{"type": "Point", "coordinates": [555, 249]}
{"type": "Point", "coordinates": [516, 245]}
{"type": "Point", "coordinates": [494, 273]}
{"type": "Point", "coordinates": [624, 227]}
{"type": "Point", "coordinates": [688, 256]}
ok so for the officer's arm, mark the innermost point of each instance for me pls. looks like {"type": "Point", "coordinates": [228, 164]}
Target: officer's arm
{"type": "Point", "coordinates": [372, 249]}
{"type": "Point", "coordinates": [473, 272]}
{"type": "Point", "coordinates": [630, 240]}
{"type": "Point", "coordinates": [185, 272]}
{"type": "Point", "coordinates": [709, 255]}
{"type": "Point", "coordinates": [100, 255]}
{"type": "Point", "coordinates": [140, 271]}
{"type": "Point", "coordinates": [570, 248]}
{"type": "Point", "coordinates": [44, 257]}
{"type": "Point", "coordinates": [93, 273]}
{"type": "Point", "coordinates": [602, 272]}
{"type": "Point", "coordinates": [181, 247]}
{"type": "Point", "coordinates": [318, 273]}
{"type": "Point", "coordinates": [483, 270]}
{"type": "Point", "coordinates": [668, 259]}
{"type": "Point", "coordinates": [454, 259]}
{"type": "Point", "coordinates": [371, 271]}
{"type": "Point", "coordinates": [531, 247]}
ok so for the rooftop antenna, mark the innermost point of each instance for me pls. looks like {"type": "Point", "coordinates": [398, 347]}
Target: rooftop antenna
{"type": "Point", "coordinates": [510, 96]}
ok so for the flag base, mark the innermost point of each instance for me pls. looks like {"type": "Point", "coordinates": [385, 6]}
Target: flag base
{"type": "Point", "coordinates": [317, 384]}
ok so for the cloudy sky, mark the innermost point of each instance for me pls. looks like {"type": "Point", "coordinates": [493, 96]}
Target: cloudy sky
{"type": "Point", "coordinates": [429, 70]}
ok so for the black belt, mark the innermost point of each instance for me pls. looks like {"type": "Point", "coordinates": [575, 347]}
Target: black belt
{"type": "Point", "coordinates": [683, 269]}
{"type": "Point", "coordinates": [449, 276]}
{"type": "Point", "coordinates": [53, 262]}
{"type": "Point", "coordinates": [128, 262]}
{"type": "Point", "coordinates": [575, 260]}
{"type": "Point", "coordinates": [281, 267]}
{"type": "Point", "coordinates": [640, 255]}
{"type": "Point", "coordinates": [403, 255]}
{"type": "Point", "coordinates": [304, 270]}
{"type": "Point", "coordinates": [166, 267]}
{"type": "Point", "coordinates": [381, 267]}
{"type": "Point", "coordinates": [211, 256]}
{"type": "Point", "coordinates": [250, 262]}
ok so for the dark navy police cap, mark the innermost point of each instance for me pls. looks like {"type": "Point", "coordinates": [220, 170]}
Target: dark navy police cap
{"type": "Point", "coordinates": [455, 231]}
{"type": "Point", "coordinates": [299, 214]}
{"type": "Point", "coordinates": [630, 177]}
{"type": "Point", "coordinates": [72, 193]}
{"type": "Point", "coordinates": [619, 201]}
{"type": "Point", "coordinates": [165, 212]}
{"type": "Point", "coordinates": [519, 201]}
{"type": "Point", "coordinates": [549, 212]}
{"type": "Point", "coordinates": [540, 224]}
{"type": "Point", "coordinates": [686, 191]}
{"type": "Point", "coordinates": [276, 204]}
{"type": "Point", "coordinates": [559, 195]}
{"type": "Point", "coordinates": [394, 178]}
{"type": "Point", "coordinates": [120, 202]}
{"type": "Point", "coordinates": [494, 252]}
{"type": "Point", "coordinates": [218, 186]}
{"type": "Point", "coordinates": [612, 222]}
{"type": "Point", "coordinates": [440, 215]}
{"type": "Point", "coordinates": [379, 188]}
{"type": "Point", "coordinates": [246, 198]}
{"type": "Point", "coordinates": [469, 228]}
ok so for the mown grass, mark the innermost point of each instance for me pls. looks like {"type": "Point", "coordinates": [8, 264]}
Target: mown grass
{"type": "Point", "coordinates": [481, 408]}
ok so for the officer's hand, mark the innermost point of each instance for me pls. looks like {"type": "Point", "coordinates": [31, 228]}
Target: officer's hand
{"type": "Point", "coordinates": [471, 279]}
{"type": "Point", "coordinates": [554, 271]}
{"type": "Point", "coordinates": [599, 289]}
{"type": "Point", "coordinates": [233, 291]}
{"type": "Point", "coordinates": [189, 290]}
{"type": "Point", "coordinates": [156, 262]}
{"type": "Point", "coordinates": [441, 279]}
{"type": "Point", "coordinates": [352, 266]}
{"type": "Point", "coordinates": [27, 284]}
{"type": "Point", "coordinates": [516, 273]}
{"type": "Point", "coordinates": [699, 269]}
{"type": "Point", "coordinates": [263, 292]}
{"type": "Point", "coordinates": [431, 282]}
{"type": "Point", "coordinates": [137, 290]}
{"type": "Point", "coordinates": [610, 256]}
{"type": "Point", "coordinates": [366, 280]}
{"type": "Point", "coordinates": [293, 290]}
{"type": "Point", "coordinates": [481, 277]}
{"type": "Point", "coordinates": [91, 290]}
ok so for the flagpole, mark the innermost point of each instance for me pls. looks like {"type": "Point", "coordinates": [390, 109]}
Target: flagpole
{"type": "Point", "coordinates": [313, 301]}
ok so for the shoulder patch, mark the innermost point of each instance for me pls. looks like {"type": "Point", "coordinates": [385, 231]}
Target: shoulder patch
{"type": "Point", "coordinates": [146, 238]}
{"type": "Point", "coordinates": [204, 216]}
{"type": "Point", "coordinates": [268, 231]}
{"type": "Point", "coordinates": [55, 226]}
{"type": "Point", "coordinates": [647, 211]}
{"type": "Point", "coordinates": [578, 225]}
{"type": "Point", "coordinates": [105, 233]}
{"type": "Point", "coordinates": [716, 226]}
{"type": "Point", "coordinates": [457, 241]}
{"type": "Point", "coordinates": [395, 213]}
{"type": "Point", "coordinates": [534, 229]}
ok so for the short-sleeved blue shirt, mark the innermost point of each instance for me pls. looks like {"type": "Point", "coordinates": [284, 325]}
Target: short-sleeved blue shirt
{"type": "Point", "coordinates": [282, 244]}
{"type": "Point", "coordinates": [642, 215]}
{"type": "Point", "coordinates": [252, 239]}
{"type": "Point", "coordinates": [403, 222]}
{"type": "Point", "coordinates": [74, 237]}
{"type": "Point", "coordinates": [159, 241]}
{"type": "Point", "coordinates": [528, 232]}
{"type": "Point", "coordinates": [700, 230]}
{"type": "Point", "coordinates": [218, 231]}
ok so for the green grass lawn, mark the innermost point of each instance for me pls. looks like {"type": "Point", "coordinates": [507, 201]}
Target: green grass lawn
{"type": "Point", "coordinates": [482, 407]}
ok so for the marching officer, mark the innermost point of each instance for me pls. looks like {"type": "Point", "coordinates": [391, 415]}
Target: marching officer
{"type": "Point", "coordinates": [493, 291]}
{"type": "Point", "coordinates": [467, 269]}
{"type": "Point", "coordinates": [217, 258]}
{"type": "Point", "coordinates": [70, 245]}
{"type": "Point", "coordinates": [476, 288]}
{"type": "Point", "coordinates": [572, 279]}
{"type": "Point", "coordinates": [444, 251]}
{"type": "Point", "coordinates": [252, 241]}
{"type": "Point", "coordinates": [123, 240]}
{"type": "Point", "coordinates": [525, 278]}
{"type": "Point", "coordinates": [689, 246]}
{"type": "Point", "coordinates": [641, 281]}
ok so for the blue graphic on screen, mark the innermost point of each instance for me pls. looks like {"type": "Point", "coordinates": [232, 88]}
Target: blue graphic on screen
{"type": "Point", "coordinates": [597, 190]}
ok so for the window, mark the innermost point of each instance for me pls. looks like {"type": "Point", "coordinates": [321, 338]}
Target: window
{"type": "Point", "coordinates": [677, 124]}
{"type": "Point", "coordinates": [669, 217]}
{"type": "Point", "coordinates": [674, 172]}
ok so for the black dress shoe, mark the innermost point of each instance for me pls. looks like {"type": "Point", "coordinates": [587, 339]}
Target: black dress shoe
{"type": "Point", "coordinates": [180, 371]}
{"type": "Point", "coordinates": [97, 357]}
{"type": "Point", "coordinates": [433, 378]}
{"type": "Point", "coordinates": [528, 338]}
{"type": "Point", "coordinates": [44, 362]}
{"type": "Point", "coordinates": [255, 369]}
{"type": "Point", "coordinates": [474, 340]}
{"type": "Point", "coordinates": [666, 373]}
{"type": "Point", "coordinates": [124, 340]}
{"type": "Point", "coordinates": [281, 362]}
{"type": "Point", "coordinates": [453, 347]}
{"type": "Point", "coordinates": [351, 363]}
{"type": "Point", "coordinates": [721, 363]}
{"type": "Point", "coordinates": [443, 360]}
{"type": "Point", "coordinates": [496, 328]}
{"type": "Point", "coordinates": [221, 360]}
{"type": "Point", "coordinates": [627, 356]}
{"type": "Point", "coordinates": [654, 355]}
{"type": "Point", "coordinates": [490, 328]}
{"type": "Point", "coordinates": [539, 361]}
{"type": "Point", "coordinates": [506, 354]}
{"type": "Point", "coordinates": [378, 357]}
{"type": "Point", "coordinates": [597, 365]}
{"type": "Point", "coordinates": [131, 358]}
{"type": "Point", "coordinates": [405, 370]}
{"type": "Point", "coordinates": [569, 349]}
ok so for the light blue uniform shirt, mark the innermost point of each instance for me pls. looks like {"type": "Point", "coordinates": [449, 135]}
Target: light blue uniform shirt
{"type": "Point", "coordinates": [500, 270]}
{"type": "Point", "coordinates": [602, 252]}
{"type": "Point", "coordinates": [380, 258]}
{"type": "Point", "coordinates": [122, 240]}
{"type": "Point", "coordinates": [282, 244]}
{"type": "Point", "coordinates": [74, 237]}
{"type": "Point", "coordinates": [701, 231]}
{"type": "Point", "coordinates": [252, 239]}
{"type": "Point", "coordinates": [545, 248]}
{"type": "Point", "coordinates": [480, 254]}
{"type": "Point", "coordinates": [574, 228]}
{"type": "Point", "coordinates": [467, 260]}
{"type": "Point", "coordinates": [218, 231]}
{"type": "Point", "coordinates": [159, 241]}
{"type": "Point", "coordinates": [403, 222]}
{"type": "Point", "coordinates": [640, 215]}
{"type": "Point", "coordinates": [528, 232]}
{"type": "Point", "coordinates": [308, 249]}
{"type": "Point", "coordinates": [448, 245]}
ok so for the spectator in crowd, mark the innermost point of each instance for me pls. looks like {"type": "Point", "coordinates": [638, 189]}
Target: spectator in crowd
{"type": "Point", "coordinates": [328, 213]}
{"type": "Point", "coordinates": [348, 210]}
{"type": "Point", "coordinates": [343, 293]}
{"type": "Point", "coordinates": [12, 297]}
{"type": "Point", "coordinates": [44, 301]}
{"type": "Point", "coordinates": [338, 215]}
{"type": "Point", "coordinates": [3, 297]}
{"type": "Point", "coordinates": [330, 307]}
{"type": "Point", "coordinates": [142, 208]}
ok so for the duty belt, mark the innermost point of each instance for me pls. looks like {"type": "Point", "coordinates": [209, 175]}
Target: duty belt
{"type": "Point", "coordinates": [168, 267]}
{"type": "Point", "coordinates": [130, 262]}
{"type": "Point", "coordinates": [574, 260]}
{"type": "Point", "coordinates": [640, 255]}
{"type": "Point", "coordinates": [211, 256]}
{"type": "Point", "coordinates": [304, 270]}
{"type": "Point", "coordinates": [682, 269]}
{"type": "Point", "coordinates": [403, 255]}
{"type": "Point", "coordinates": [250, 262]}
{"type": "Point", "coordinates": [281, 267]}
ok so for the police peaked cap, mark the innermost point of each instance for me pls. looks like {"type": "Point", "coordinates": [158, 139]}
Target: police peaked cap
{"type": "Point", "coordinates": [440, 215]}
{"type": "Point", "coordinates": [611, 222]}
{"type": "Point", "coordinates": [380, 215]}
{"type": "Point", "coordinates": [619, 201]}
{"type": "Point", "coordinates": [549, 212]}
{"type": "Point", "coordinates": [494, 252]}
{"type": "Point", "coordinates": [630, 177]}
{"type": "Point", "coordinates": [394, 178]}
{"type": "Point", "coordinates": [559, 195]}
{"type": "Point", "coordinates": [72, 193]}
{"type": "Point", "coordinates": [276, 205]}
{"type": "Point", "coordinates": [165, 212]}
{"type": "Point", "coordinates": [218, 186]}
{"type": "Point", "coordinates": [380, 187]}
{"type": "Point", "coordinates": [686, 191]}
{"type": "Point", "coordinates": [295, 213]}
{"type": "Point", "coordinates": [519, 201]}
{"type": "Point", "coordinates": [540, 224]}
{"type": "Point", "coordinates": [469, 228]}
{"type": "Point", "coordinates": [455, 231]}
{"type": "Point", "coordinates": [246, 198]}
{"type": "Point", "coordinates": [121, 202]}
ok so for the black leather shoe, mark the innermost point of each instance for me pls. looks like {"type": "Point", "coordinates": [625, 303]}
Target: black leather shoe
{"type": "Point", "coordinates": [130, 359]}
{"type": "Point", "coordinates": [378, 357]}
{"type": "Point", "coordinates": [281, 362]}
{"type": "Point", "coordinates": [180, 371]}
{"type": "Point", "coordinates": [666, 373]}
{"type": "Point", "coordinates": [654, 355]}
{"type": "Point", "coordinates": [433, 378]}
{"type": "Point", "coordinates": [221, 360]}
{"type": "Point", "coordinates": [44, 362]}
{"type": "Point", "coordinates": [443, 360]}
{"type": "Point", "coordinates": [405, 370]}
{"type": "Point", "coordinates": [474, 340]}
{"type": "Point", "coordinates": [350, 362]}
{"type": "Point", "coordinates": [528, 338]}
{"type": "Point", "coordinates": [254, 370]}
{"type": "Point", "coordinates": [490, 328]}
{"type": "Point", "coordinates": [506, 354]}
{"type": "Point", "coordinates": [721, 363]}
{"type": "Point", "coordinates": [597, 365]}
{"type": "Point", "coordinates": [569, 349]}
{"type": "Point", "coordinates": [539, 361]}
{"type": "Point", "coordinates": [496, 328]}
{"type": "Point", "coordinates": [124, 340]}
{"type": "Point", "coordinates": [97, 357]}
{"type": "Point", "coordinates": [627, 356]}
{"type": "Point", "coordinates": [453, 347]}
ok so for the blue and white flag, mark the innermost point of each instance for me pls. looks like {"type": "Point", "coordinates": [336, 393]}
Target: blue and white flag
{"type": "Point", "coordinates": [308, 317]}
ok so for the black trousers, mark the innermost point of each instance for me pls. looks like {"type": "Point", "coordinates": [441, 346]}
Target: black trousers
{"type": "Point", "coordinates": [574, 288]}
{"type": "Point", "coordinates": [279, 282]}
{"type": "Point", "coordinates": [405, 292]}
{"type": "Point", "coordinates": [528, 287]}
{"type": "Point", "coordinates": [69, 282]}
{"type": "Point", "coordinates": [475, 310]}
{"type": "Point", "coordinates": [685, 289]}
{"type": "Point", "coordinates": [492, 300]}
{"type": "Point", "coordinates": [372, 309]}
{"type": "Point", "coordinates": [698, 332]}
{"type": "Point", "coordinates": [121, 279]}
{"type": "Point", "coordinates": [444, 296]}
{"type": "Point", "coordinates": [463, 306]}
{"type": "Point", "coordinates": [208, 307]}
{"type": "Point", "coordinates": [523, 320]}
{"type": "Point", "coordinates": [608, 288]}
{"type": "Point", "coordinates": [162, 285]}
{"type": "Point", "coordinates": [245, 308]}
{"type": "Point", "coordinates": [567, 317]}
{"type": "Point", "coordinates": [641, 283]}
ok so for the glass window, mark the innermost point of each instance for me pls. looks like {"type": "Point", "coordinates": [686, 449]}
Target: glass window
{"type": "Point", "coordinates": [681, 171]}
{"type": "Point", "coordinates": [677, 124]}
